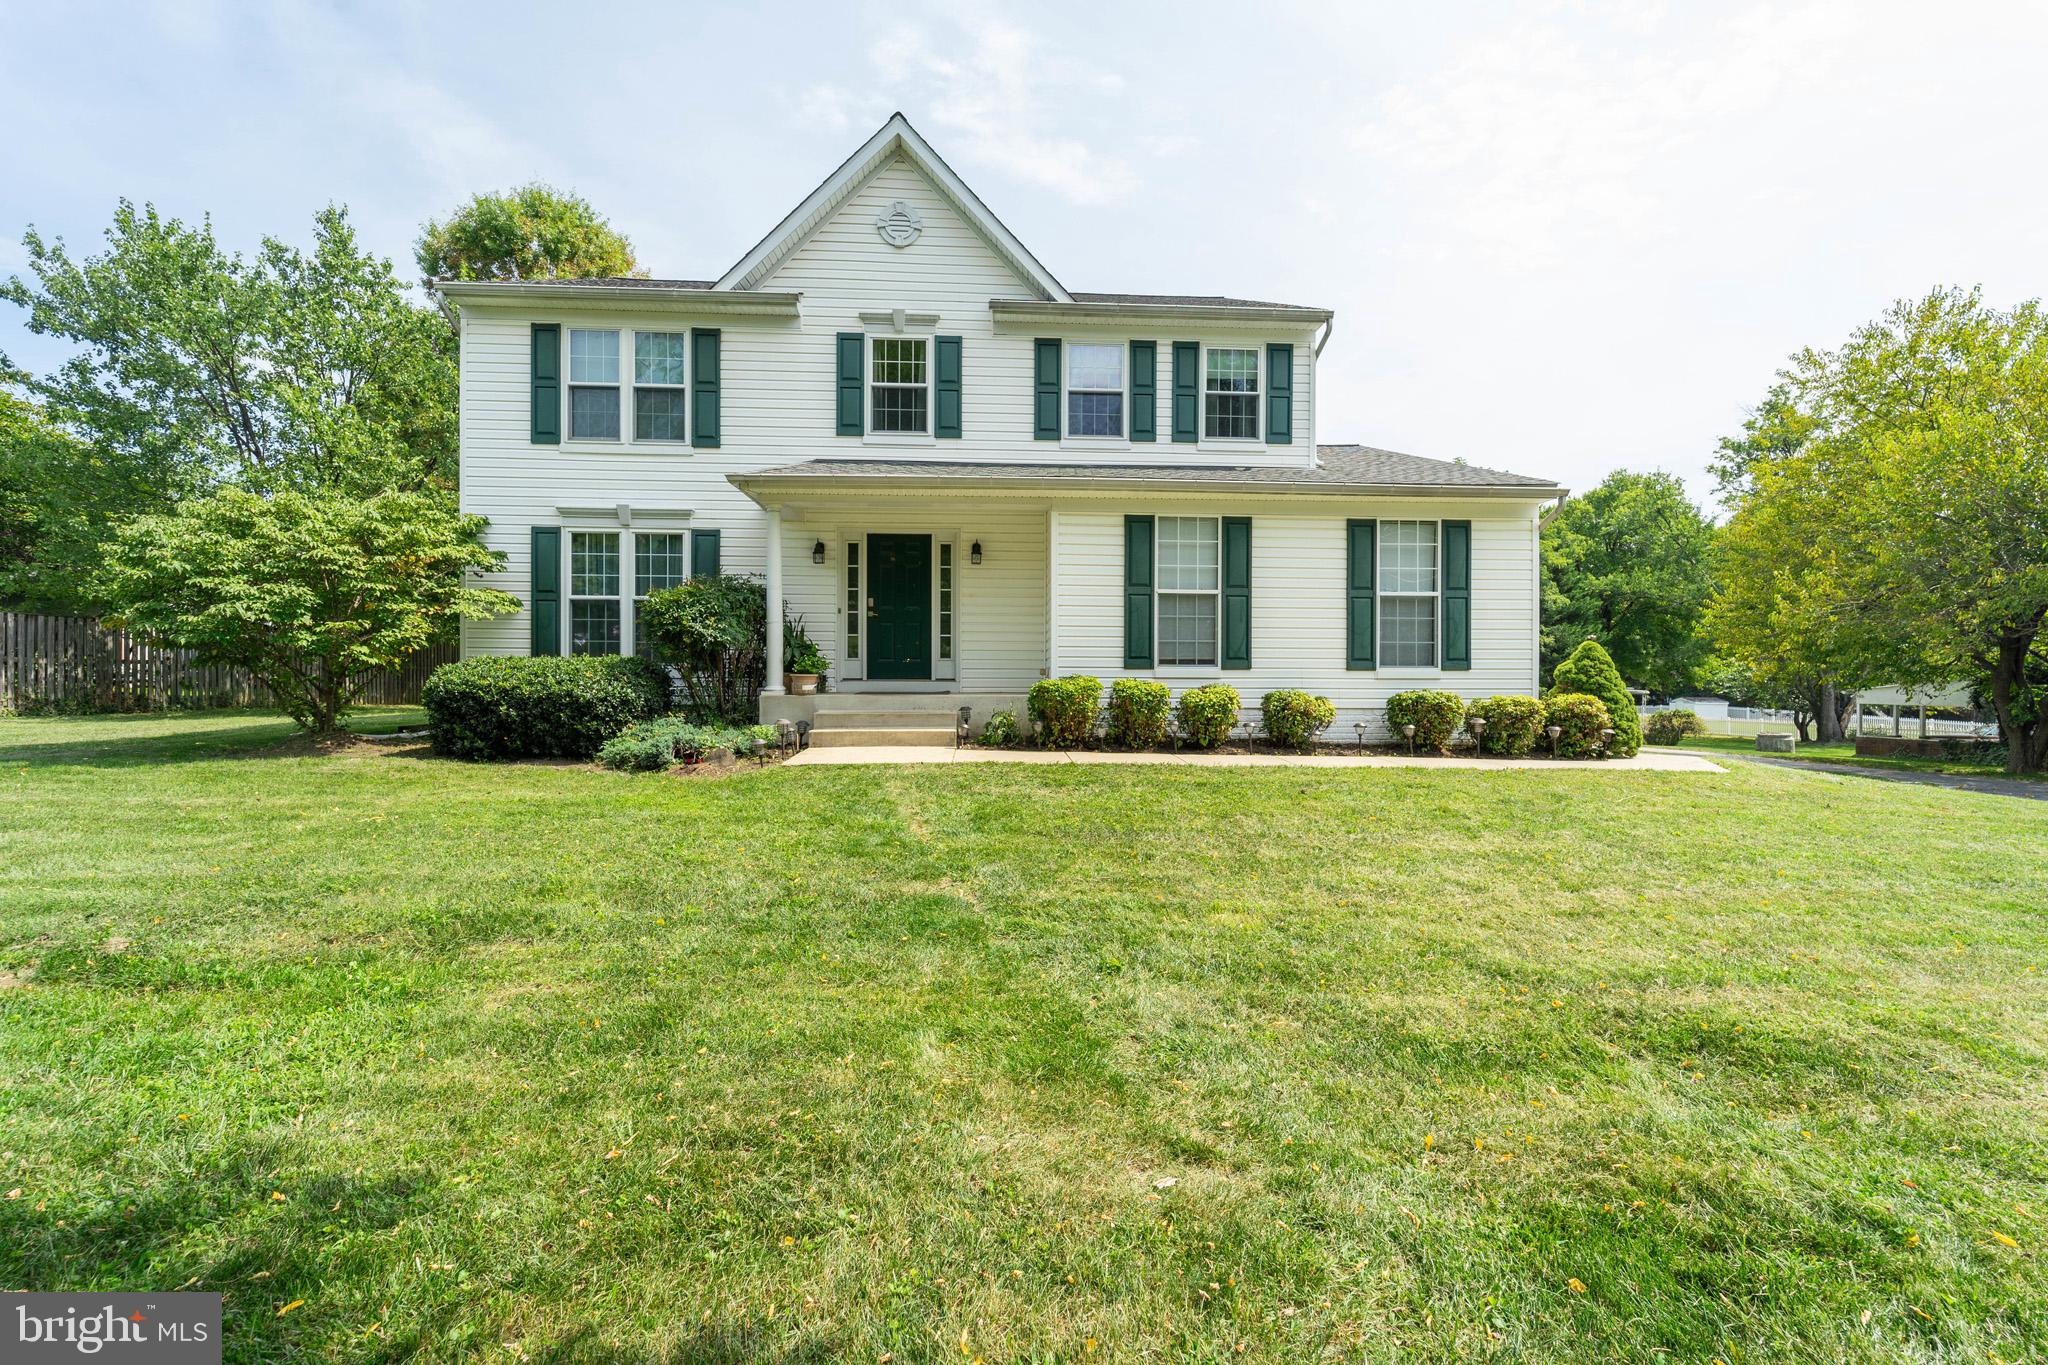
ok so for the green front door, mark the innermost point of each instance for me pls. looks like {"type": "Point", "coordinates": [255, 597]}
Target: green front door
{"type": "Point", "coordinates": [899, 606]}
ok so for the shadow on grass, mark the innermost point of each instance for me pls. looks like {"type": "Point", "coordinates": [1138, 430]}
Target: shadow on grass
{"type": "Point", "coordinates": [707, 1344]}
{"type": "Point", "coordinates": [145, 739]}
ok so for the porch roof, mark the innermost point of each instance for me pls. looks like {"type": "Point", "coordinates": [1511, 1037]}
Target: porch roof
{"type": "Point", "coordinates": [1339, 469]}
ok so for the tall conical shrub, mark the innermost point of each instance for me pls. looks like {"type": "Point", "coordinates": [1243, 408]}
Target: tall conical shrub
{"type": "Point", "coordinates": [1589, 669]}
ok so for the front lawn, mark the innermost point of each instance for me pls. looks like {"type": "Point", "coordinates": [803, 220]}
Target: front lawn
{"type": "Point", "coordinates": [1845, 752]}
{"type": "Point", "coordinates": [1020, 1063]}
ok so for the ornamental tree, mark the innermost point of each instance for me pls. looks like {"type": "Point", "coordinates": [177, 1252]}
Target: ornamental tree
{"type": "Point", "coordinates": [307, 593]}
{"type": "Point", "coordinates": [1589, 670]}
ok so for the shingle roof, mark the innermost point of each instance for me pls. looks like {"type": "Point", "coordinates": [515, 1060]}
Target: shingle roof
{"type": "Point", "coordinates": [634, 282]}
{"type": "Point", "coordinates": [1339, 468]}
{"type": "Point", "coordinates": [1187, 301]}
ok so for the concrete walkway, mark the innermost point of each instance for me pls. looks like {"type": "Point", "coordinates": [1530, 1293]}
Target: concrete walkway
{"type": "Point", "coordinates": [1962, 782]}
{"type": "Point", "coordinates": [1658, 761]}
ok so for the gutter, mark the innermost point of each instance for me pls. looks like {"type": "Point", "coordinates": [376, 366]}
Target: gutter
{"type": "Point", "coordinates": [749, 301]}
{"type": "Point", "coordinates": [1033, 310]}
{"type": "Point", "coordinates": [769, 481]}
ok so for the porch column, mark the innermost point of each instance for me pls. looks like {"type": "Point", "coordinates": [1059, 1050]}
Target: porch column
{"type": "Point", "coordinates": [774, 679]}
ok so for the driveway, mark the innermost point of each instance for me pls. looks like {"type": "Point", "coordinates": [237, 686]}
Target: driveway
{"type": "Point", "coordinates": [1990, 786]}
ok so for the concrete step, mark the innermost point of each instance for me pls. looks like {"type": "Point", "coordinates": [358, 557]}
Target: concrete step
{"type": "Point", "coordinates": [883, 718]}
{"type": "Point", "coordinates": [895, 736]}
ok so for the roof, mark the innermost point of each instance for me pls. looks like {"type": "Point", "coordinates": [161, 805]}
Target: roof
{"type": "Point", "coordinates": [1189, 301]}
{"type": "Point", "coordinates": [1339, 469]}
{"type": "Point", "coordinates": [635, 282]}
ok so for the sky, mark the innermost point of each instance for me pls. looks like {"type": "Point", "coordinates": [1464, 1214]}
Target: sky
{"type": "Point", "coordinates": [1561, 238]}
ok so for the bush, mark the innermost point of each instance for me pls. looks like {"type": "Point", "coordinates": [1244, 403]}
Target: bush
{"type": "Point", "coordinates": [1672, 727]}
{"type": "Point", "coordinates": [714, 629]}
{"type": "Point", "coordinates": [1581, 717]}
{"type": "Point", "coordinates": [1208, 714]}
{"type": "Point", "coordinates": [1293, 719]}
{"type": "Point", "coordinates": [1588, 669]}
{"type": "Point", "coordinates": [512, 707]}
{"type": "Point", "coordinates": [1436, 716]}
{"type": "Point", "coordinates": [1065, 709]}
{"type": "Point", "coordinates": [800, 653]}
{"type": "Point", "coordinates": [654, 745]}
{"type": "Point", "coordinates": [1513, 724]}
{"type": "Point", "coordinates": [1138, 711]}
{"type": "Point", "coordinates": [1000, 730]}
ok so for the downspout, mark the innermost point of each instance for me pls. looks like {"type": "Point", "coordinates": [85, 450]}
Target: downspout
{"type": "Point", "coordinates": [1315, 458]}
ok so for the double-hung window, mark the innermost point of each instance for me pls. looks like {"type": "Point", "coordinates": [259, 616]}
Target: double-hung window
{"type": "Point", "coordinates": [1095, 390]}
{"type": "Point", "coordinates": [1188, 572]}
{"type": "Point", "coordinates": [1230, 394]}
{"type": "Point", "coordinates": [1408, 594]}
{"type": "Point", "coordinates": [660, 560]}
{"type": "Point", "coordinates": [594, 614]}
{"type": "Point", "coordinates": [659, 398]}
{"type": "Point", "coordinates": [899, 385]}
{"type": "Point", "coordinates": [593, 385]}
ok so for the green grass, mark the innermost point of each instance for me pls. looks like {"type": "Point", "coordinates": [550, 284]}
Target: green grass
{"type": "Point", "coordinates": [1845, 752]}
{"type": "Point", "coordinates": [821, 1064]}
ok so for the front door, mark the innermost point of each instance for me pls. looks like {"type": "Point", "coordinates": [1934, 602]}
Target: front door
{"type": "Point", "coordinates": [899, 606]}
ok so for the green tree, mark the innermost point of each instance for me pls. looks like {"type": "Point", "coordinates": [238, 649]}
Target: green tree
{"type": "Point", "coordinates": [306, 592]}
{"type": "Point", "coordinates": [1590, 670]}
{"type": "Point", "coordinates": [1629, 564]}
{"type": "Point", "coordinates": [531, 233]}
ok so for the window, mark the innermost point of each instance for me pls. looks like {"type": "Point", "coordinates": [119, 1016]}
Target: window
{"type": "Point", "coordinates": [1188, 576]}
{"type": "Point", "coordinates": [853, 611]}
{"type": "Point", "coordinates": [593, 385]}
{"type": "Point", "coordinates": [1095, 390]}
{"type": "Point", "coordinates": [1408, 594]}
{"type": "Point", "coordinates": [899, 385]}
{"type": "Point", "coordinates": [659, 399]}
{"type": "Point", "coordinates": [1230, 395]}
{"type": "Point", "coordinates": [593, 592]}
{"type": "Point", "coordinates": [660, 560]}
{"type": "Point", "coordinates": [945, 599]}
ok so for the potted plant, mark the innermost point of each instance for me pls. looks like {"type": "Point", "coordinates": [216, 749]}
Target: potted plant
{"type": "Point", "coordinates": [803, 663]}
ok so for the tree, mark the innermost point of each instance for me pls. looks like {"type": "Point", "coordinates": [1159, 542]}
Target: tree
{"type": "Point", "coordinates": [58, 497]}
{"type": "Point", "coordinates": [1907, 533]}
{"type": "Point", "coordinates": [531, 233]}
{"type": "Point", "coordinates": [196, 368]}
{"type": "Point", "coordinates": [1629, 564]}
{"type": "Point", "coordinates": [1590, 670]}
{"type": "Point", "coordinates": [306, 592]}
{"type": "Point", "coordinates": [714, 630]}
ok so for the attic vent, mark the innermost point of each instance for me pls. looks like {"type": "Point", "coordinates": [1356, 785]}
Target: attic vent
{"type": "Point", "coordinates": [899, 224]}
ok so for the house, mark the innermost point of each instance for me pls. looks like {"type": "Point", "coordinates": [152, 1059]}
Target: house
{"type": "Point", "coordinates": [963, 476]}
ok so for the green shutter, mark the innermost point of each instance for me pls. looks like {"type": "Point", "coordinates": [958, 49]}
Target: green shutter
{"type": "Point", "coordinates": [703, 553]}
{"type": "Point", "coordinates": [1279, 394]}
{"type": "Point", "coordinates": [704, 387]}
{"type": "Point", "coordinates": [1237, 592]}
{"type": "Point", "coordinates": [1045, 407]}
{"type": "Point", "coordinates": [1144, 391]}
{"type": "Point", "coordinates": [1361, 607]}
{"type": "Point", "coordinates": [1137, 592]}
{"type": "Point", "coordinates": [946, 388]}
{"type": "Point", "coordinates": [545, 372]}
{"type": "Point", "coordinates": [1187, 391]}
{"type": "Point", "coordinates": [546, 583]}
{"type": "Point", "coordinates": [1457, 595]}
{"type": "Point", "coordinates": [852, 410]}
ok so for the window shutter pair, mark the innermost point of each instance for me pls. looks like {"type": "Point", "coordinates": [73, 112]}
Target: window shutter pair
{"type": "Point", "coordinates": [1361, 604]}
{"type": "Point", "coordinates": [851, 406]}
{"type": "Point", "coordinates": [1139, 586]}
{"type": "Point", "coordinates": [546, 577]}
{"type": "Point", "coordinates": [544, 372]}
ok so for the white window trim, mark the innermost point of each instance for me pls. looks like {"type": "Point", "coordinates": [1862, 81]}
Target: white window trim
{"type": "Point", "coordinates": [570, 385]}
{"type": "Point", "coordinates": [1160, 592]}
{"type": "Point", "coordinates": [629, 582]}
{"type": "Point", "coordinates": [629, 559]}
{"type": "Point", "coordinates": [1255, 441]}
{"type": "Point", "coordinates": [1067, 435]}
{"type": "Point", "coordinates": [630, 427]}
{"type": "Point", "coordinates": [1436, 597]}
{"type": "Point", "coordinates": [625, 440]}
{"type": "Point", "coordinates": [867, 366]}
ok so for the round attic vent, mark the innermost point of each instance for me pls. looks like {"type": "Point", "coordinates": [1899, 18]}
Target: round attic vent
{"type": "Point", "coordinates": [899, 224]}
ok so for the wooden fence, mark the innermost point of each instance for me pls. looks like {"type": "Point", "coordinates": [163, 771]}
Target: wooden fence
{"type": "Point", "coordinates": [76, 663]}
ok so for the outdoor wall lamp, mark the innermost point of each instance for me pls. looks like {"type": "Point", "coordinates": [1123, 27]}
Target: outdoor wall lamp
{"type": "Point", "coordinates": [974, 554]}
{"type": "Point", "coordinates": [817, 552]}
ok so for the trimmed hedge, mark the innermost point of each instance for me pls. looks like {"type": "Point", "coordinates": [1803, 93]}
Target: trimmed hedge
{"type": "Point", "coordinates": [492, 707]}
{"type": "Point", "coordinates": [1672, 727]}
{"type": "Point", "coordinates": [1207, 714]}
{"type": "Point", "coordinates": [1293, 719]}
{"type": "Point", "coordinates": [655, 745]}
{"type": "Point", "coordinates": [1138, 711]}
{"type": "Point", "coordinates": [1065, 709]}
{"type": "Point", "coordinates": [1581, 716]}
{"type": "Point", "coordinates": [1436, 716]}
{"type": "Point", "coordinates": [1590, 670]}
{"type": "Point", "coordinates": [1513, 723]}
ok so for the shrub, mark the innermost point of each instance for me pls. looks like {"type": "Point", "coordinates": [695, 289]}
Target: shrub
{"type": "Point", "coordinates": [1588, 669]}
{"type": "Point", "coordinates": [1138, 711]}
{"type": "Point", "coordinates": [1581, 716]}
{"type": "Point", "coordinates": [1000, 730]}
{"type": "Point", "coordinates": [1293, 719]}
{"type": "Point", "coordinates": [1207, 714]}
{"type": "Point", "coordinates": [800, 653]}
{"type": "Point", "coordinates": [511, 707]}
{"type": "Point", "coordinates": [1672, 727]}
{"type": "Point", "coordinates": [714, 630]}
{"type": "Point", "coordinates": [1513, 724]}
{"type": "Point", "coordinates": [657, 744]}
{"type": "Point", "coordinates": [1435, 716]}
{"type": "Point", "coordinates": [1065, 708]}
